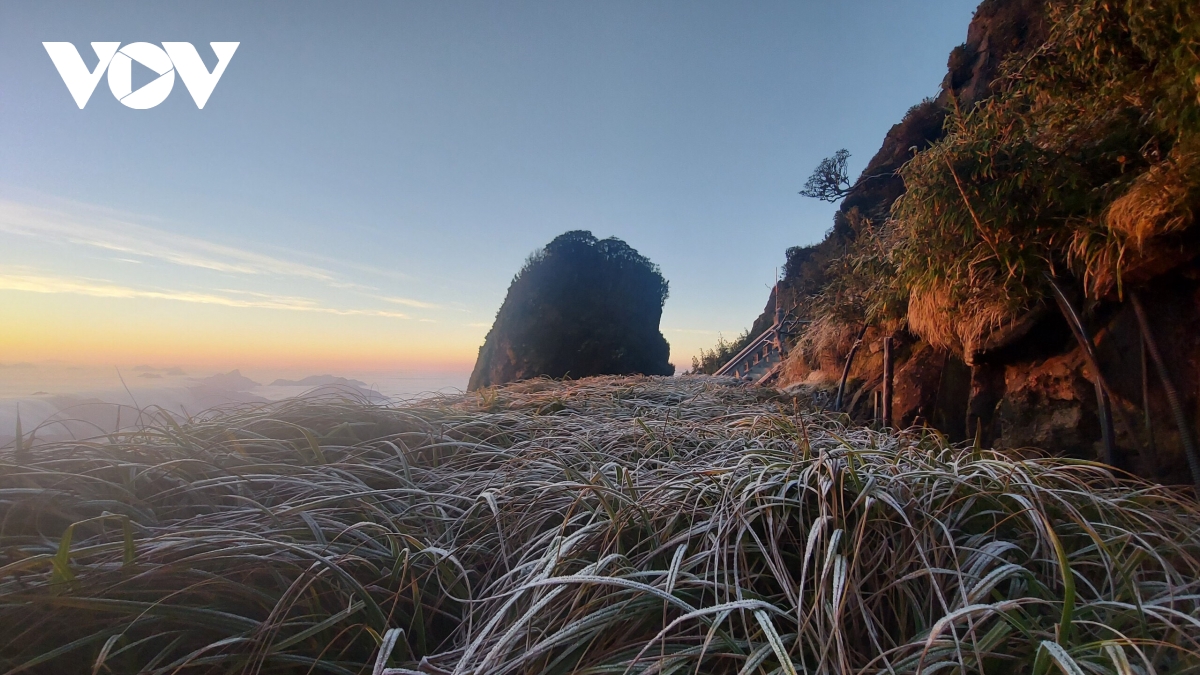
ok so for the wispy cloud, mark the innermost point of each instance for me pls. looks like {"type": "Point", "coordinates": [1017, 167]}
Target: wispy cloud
{"type": "Point", "coordinates": [104, 231]}
{"type": "Point", "coordinates": [99, 288]}
{"type": "Point", "coordinates": [115, 232]}
{"type": "Point", "coordinates": [408, 302]}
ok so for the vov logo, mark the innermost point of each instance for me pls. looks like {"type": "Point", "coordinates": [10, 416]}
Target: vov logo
{"type": "Point", "coordinates": [171, 58]}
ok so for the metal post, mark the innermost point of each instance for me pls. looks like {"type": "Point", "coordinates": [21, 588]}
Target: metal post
{"type": "Point", "coordinates": [887, 381]}
{"type": "Point", "coordinates": [778, 307]}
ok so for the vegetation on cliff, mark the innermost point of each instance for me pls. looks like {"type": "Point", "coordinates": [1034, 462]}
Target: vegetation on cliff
{"type": "Point", "coordinates": [1075, 154]}
{"type": "Point", "coordinates": [1063, 146]}
{"type": "Point", "coordinates": [641, 525]}
{"type": "Point", "coordinates": [1084, 164]}
{"type": "Point", "coordinates": [581, 306]}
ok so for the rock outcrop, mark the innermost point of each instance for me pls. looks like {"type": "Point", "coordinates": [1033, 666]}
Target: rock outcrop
{"type": "Point", "coordinates": [580, 307]}
{"type": "Point", "coordinates": [1028, 385]}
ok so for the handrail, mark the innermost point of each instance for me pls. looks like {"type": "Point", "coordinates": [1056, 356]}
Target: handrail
{"type": "Point", "coordinates": [748, 350]}
{"type": "Point", "coordinates": [772, 333]}
{"type": "Point", "coordinates": [770, 373]}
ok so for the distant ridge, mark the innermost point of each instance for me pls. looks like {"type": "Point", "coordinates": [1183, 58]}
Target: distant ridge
{"type": "Point", "coordinates": [233, 381]}
{"type": "Point", "coordinates": [319, 380]}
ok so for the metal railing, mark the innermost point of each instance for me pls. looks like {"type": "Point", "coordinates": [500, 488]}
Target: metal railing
{"type": "Point", "coordinates": [771, 342]}
{"type": "Point", "coordinates": [739, 361]}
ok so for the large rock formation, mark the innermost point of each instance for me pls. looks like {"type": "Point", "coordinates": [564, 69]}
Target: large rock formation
{"type": "Point", "coordinates": [1027, 383]}
{"type": "Point", "coordinates": [579, 307]}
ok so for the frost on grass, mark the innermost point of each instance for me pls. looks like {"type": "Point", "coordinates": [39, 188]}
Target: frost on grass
{"type": "Point", "coordinates": [610, 525]}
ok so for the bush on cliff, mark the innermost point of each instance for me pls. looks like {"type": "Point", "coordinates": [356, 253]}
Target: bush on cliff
{"type": "Point", "coordinates": [579, 307]}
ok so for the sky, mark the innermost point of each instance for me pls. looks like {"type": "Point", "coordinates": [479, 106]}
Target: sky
{"type": "Point", "coordinates": [366, 178]}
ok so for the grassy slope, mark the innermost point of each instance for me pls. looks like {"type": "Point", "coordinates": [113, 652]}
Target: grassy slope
{"type": "Point", "coordinates": [601, 526]}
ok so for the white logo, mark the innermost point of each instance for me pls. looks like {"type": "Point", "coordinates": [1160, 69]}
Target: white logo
{"type": "Point", "coordinates": [172, 57]}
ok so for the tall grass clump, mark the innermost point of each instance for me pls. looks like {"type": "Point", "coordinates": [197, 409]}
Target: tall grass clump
{"type": "Point", "coordinates": [614, 525]}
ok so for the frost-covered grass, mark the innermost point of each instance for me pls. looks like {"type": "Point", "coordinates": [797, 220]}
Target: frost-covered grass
{"type": "Point", "coordinates": [609, 525]}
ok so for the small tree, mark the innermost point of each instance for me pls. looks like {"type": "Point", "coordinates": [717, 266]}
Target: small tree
{"type": "Point", "coordinates": [711, 360]}
{"type": "Point", "coordinates": [829, 182]}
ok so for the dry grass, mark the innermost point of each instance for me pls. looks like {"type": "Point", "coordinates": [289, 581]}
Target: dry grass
{"type": "Point", "coordinates": [1134, 229]}
{"type": "Point", "coordinates": [827, 335]}
{"type": "Point", "coordinates": [984, 320]}
{"type": "Point", "coordinates": [615, 525]}
{"type": "Point", "coordinates": [1159, 202]}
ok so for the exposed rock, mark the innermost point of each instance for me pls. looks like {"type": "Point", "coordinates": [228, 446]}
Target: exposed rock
{"type": "Point", "coordinates": [1039, 391]}
{"type": "Point", "coordinates": [998, 28]}
{"type": "Point", "coordinates": [1049, 404]}
{"type": "Point", "coordinates": [917, 382]}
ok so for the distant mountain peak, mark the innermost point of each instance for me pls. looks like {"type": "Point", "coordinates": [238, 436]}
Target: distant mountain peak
{"type": "Point", "coordinates": [231, 381]}
{"type": "Point", "coordinates": [318, 381]}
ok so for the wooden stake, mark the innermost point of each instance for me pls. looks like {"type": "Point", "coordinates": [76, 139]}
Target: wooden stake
{"type": "Point", "coordinates": [887, 381]}
{"type": "Point", "coordinates": [1185, 429]}
{"type": "Point", "coordinates": [837, 401]}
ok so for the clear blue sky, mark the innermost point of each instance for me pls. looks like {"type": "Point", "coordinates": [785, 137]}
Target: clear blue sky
{"type": "Point", "coordinates": [367, 177]}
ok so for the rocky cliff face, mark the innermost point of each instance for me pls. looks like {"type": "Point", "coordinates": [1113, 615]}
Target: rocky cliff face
{"type": "Point", "coordinates": [1031, 385]}
{"type": "Point", "coordinates": [580, 307]}
{"type": "Point", "coordinates": [999, 28]}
